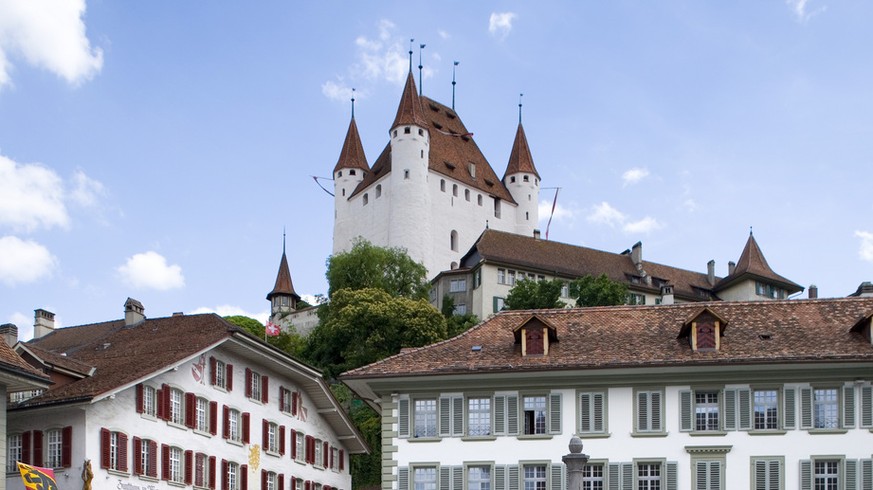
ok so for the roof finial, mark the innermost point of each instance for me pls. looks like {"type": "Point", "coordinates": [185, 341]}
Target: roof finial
{"type": "Point", "coordinates": [519, 107]}
{"type": "Point", "coordinates": [750, 230]}
{"type": "Point", "coordinates": [410, 54]}
{"type": "Point", "coordinates": [420, 76]}
{"type": "Point", "coordinates": [453, 84]}
{"type": "Point", "coordinates": [283, 240]}
{"type": "Point", "coordinates": [353, 102]}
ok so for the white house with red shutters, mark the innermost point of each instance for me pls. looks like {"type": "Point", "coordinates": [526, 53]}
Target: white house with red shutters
{"type": "Point", "coordinates": [187, 401]}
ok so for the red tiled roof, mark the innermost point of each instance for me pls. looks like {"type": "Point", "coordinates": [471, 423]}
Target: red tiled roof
{"type": "Point", "coordinates": [520, 160]}
{"type": "Point", "coordinates": [761, 332]}
{"type": "Point", "coordinates": [574, 261]}
{"type": "Point", "coordinates": [752, 263]}
{"type": "Point", "coordinates": [12, 363]}
{"type": "Point", "coordinates": [409, 111]}
{"type": "Point", "coordinates": [352, 154]}
{"type": "Point", "coordinates": [283, 281]}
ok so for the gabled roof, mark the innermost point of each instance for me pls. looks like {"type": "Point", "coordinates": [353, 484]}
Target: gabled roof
{"type": "Point", "coordinates": [574, 261]}
{"type": "Point", "coordinates": [520, 160]}
{"type": "Point", "coordinates": [705, 311]}
{"type": "Point", "coordinates": [16, 374]}
{"type": "Point", "coordinates": [409, 111]}
{"type": "Point", "coordinates": [761, 333]}
{"type": "Point", "coordinates": [352, 154]}
{"type": "Point", "coordinates": [753, 265]}
{"type": "Point", "coordinates": [283, 280]}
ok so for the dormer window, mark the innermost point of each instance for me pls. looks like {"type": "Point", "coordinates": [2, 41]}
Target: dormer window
{"type": "Point", "coordinates": [420, 132]}
{"type": "Point", "coordinates": [407, 130]}
{"type": "Point", "coordinates": [536, 337]}
{"type": "Point", "coordinates": [526, 178]}
{"type": "Point", "coordinates": [352, 172]}
{"type": "Point", "coordinates": [704, 331]}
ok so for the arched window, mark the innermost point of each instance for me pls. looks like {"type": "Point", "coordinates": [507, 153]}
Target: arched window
{"type": "Point", "coordinates": [455, 190]}
{"type": "Point", "coordinates": [443, 185]}
{"type": "Point", "coordinates": [453, 240]}
{"type": "Point", "coordinates": [366, 199]}
{"type": "Point", "coordinates": [479, 199]}
{"type": "Point", "coordinates": [379, 191]}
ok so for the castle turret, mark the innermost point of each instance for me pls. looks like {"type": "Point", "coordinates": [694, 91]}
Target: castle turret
{"type": "Point", "coordinates": [283, 300]}
{"type": "Point", "coordinates": [349, 171]}
{"type": "Point", "coordinates": [523, 182]}
{"type": "Point", "coordinates": [409, 221]}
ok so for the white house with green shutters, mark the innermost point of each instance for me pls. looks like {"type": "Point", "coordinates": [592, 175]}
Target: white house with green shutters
{"type": "Point", "coordinates": [713, 396]}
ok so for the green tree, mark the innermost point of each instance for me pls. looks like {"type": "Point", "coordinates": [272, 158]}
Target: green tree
{"type": "Point", "coordinates": [598, 291]}
{"type": "Point", "coordinates": [529, 294]}
{"type": "Point", "coordinates": [458, 324]}
{"type": "Point", "coordinates": [369, 266]}
{"type": "Point", "coordinates": [288, 341]}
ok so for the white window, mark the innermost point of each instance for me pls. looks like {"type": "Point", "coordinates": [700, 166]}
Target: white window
{"type": "Point", "coordinates": [149, 396]}
{"type": "Point", "coordinates": [272, 481]}
{"type": "Point", "coordinates": [766, 403]}
{"type": "Point", "coordinates": [457, 285]}
{"type": "Point", "coordinates": [499, 303]}
{"type": "Point", "coordinates": [453, 240]}
{"type": "Point", "coordinates": [220, 374]}
{"type": "Point", "coordinates": [592, 477]}
{"type": "Point", "coordinates": [636, 299]}
{"type": "Point", "coordinates": [649, 476]}
{"type": "Point", "coordinates": [201, 421]}
{"type": "Point", "coordinates": [13, 452]}
{"type": "Point", "coordinates": [826, 408]}
{"type": "Point", "coordinates": [272, 437]}
{"type": "Point", "coordinates": [234, 425]}
{"type": "Point", "coordinates": [826, 475]}
{"type": "Point", "coordinates": [534, 414]}
{"type": "Point", "coordinates": [334, 458]}
{"type": "Point", "coordinates": [286, 400]}
{"type": "Point", "coordinates": [501, 276]}
{"type": "Point", "coordinates": [706, 410]}
{"type": "Point", "coordinates": [177, 412]}
{"type": "Point", "coordinates": [479, 478]}
{"type": "Point", "coordinates": [479, 417]}
{"type": "Point", "coordinates": [565, 290]}
{"type": "Point", "coordinates": [455, 190]}
{"type": "Point", "coordinates": [255, 383]}
{"type": "Point", "coordinates": [54, 442]}
{"type": "Point", "coordinates": [511, 281]}
{"type": "Point", "coordinates": [148, 458]}
{"type": "Point", "coordinates": [300, 452]}
{"type": "Point", "coordinates": [534, 477]}
{"type": "Point", "coordinates": [175, 472]}
{"type": "Point", "coordinates": [319, 456]}
{"type": "Point", "coordinates": [467, 194]}
{"type": "Point", "coordinates": [424, 478]}
{"type": "Point", "coordinates": [232, 476]}
{"type": "Point", "coordinates": [460, 309]}
{"type": "Point", "coordinates": [425, 417]}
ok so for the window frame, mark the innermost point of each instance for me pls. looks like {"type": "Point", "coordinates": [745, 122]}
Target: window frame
{"type": "Point", "coordinates": [523, 479]}
{"type": "Point", "coordinates": [489, 465]}
{"type": "Point", "coordinates": [14, 452]}
{"type": "Point", "coordinates": [588, 480]}
{"type": "Point", "coordinates": [593, 431]}
{"type": "Point", "coordinates": [662, 469]}
{"type": "Point", "coordinates": [413, 468]}
{"type": "Point", "coordinates": [414, 408]}
{"type": "Point", "coordinates": [767, 460]}
{"type": "Point", "coordinates": [650, 431]}
{"type": "Point", "coordinates": [778, 408]}
{"type": "Point", "coordinates": [54, 448]}
{"type": "Point", "coordinates": [523, 415]}
{"type": "Point", "coordinates": [468, 425]}
{"type": "Point", "coordinates": [176, 404]}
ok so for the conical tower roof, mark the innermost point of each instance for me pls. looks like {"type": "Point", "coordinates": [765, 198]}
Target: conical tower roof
{"type": "Point", "coordinates": [352, 154]}
{"type": "Point", "coordinates": [283, 281]}
{"type": "Point", "coordinates": [520, 160]}
{"type": "Point", "coordinates": [409, 111]}
{"type": "Point", "coordinates": [752, 264]}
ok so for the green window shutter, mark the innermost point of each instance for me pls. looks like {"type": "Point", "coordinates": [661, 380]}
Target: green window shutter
{"type": "Point", "coordinates": [643, 411]}
{"type": "Point", "coordinates": [403, 478]}
{"type": "Point", "coordinates": [500, 416]}
{"type": "Point", "coordinates": [805, 474]}
{"type": "Point", "coordinates": [513, 477]}
{"type": "Point", "coordinates": [867, 474]}
{"type": "Point", "coordinates": [867, 407]}
{"type": "Point", "coordinates": [403, 417]}
{"type": "Point", "coordinates": [598, 425]}
{"type": "Point", "coordinates": [445, 478]}
{"type": "Point", "coordinates": [554, 413]}
{"type": "Point", "coordinates": [627, 476]}
{"type": "Point", "coordinates": [655, 411]}
{"type": "Point", "coordinates": [806, 408]}
{"type": "Point", "coordinates": [614, 476]}
{"type": "Point", "coordinates": [701, 481]}
{"type": "Point", "coordinates": [457, 478]}
{"type": "Point", "coordinates": [767, 474]}
{"type": "Point", "coordinates": [848, 406]}
{"type": "Point", "coordinates": [585, 412]}
{"type": "Point", "coordinates": [499, 478]}
{"type": "Point", "coordinates": [458, 416]}
{"type": "Point", "coordinates": [789, 421]}
{"type": "Point", "coordinates": [730, 409]}
{"type": "Point", "coordinates": [512, 415]}
{"type": "Point", "coordinates": [851, 474]}
{"type": "Point", "coordinates": [761, 481]}
{"type": "Point", "coordinates": [445, 408]}
{"type": "Point", "coordinates": [745, 409]}
{"type": "Point", "coordinates": [685, 419]}
{"type": "Point", "coordinates": [557, 477]}
{"type": "Point", "coordinates": [715, 475]}
{"type": "Point", "coordinates": [672, 475]}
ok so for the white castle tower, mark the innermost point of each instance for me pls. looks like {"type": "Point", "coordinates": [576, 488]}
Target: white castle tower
{"type": "Point", "coordinates": [431, 191]}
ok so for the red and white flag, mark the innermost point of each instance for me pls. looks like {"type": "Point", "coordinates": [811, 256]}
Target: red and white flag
{"type": "Point", "coordinates": [272, 329]}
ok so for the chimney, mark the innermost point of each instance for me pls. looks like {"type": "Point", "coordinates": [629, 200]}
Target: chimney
{"type": "Point", "coordinates": [9, 331]}
{"type": "Point", "coordinates": [133, 312]}
{"type": "Point", "coordinates": [667, 294]}
{"type": "Point", "coordinates": [537, 234]}
{"type": "Point", "coordinates": [710, 272]}
{"type": "Point", "coordinates": [813, 291]}
{"type": "Point", "coordinates": [637, 253]}
{"type": "Point", "coordinates": [43, 323]}
{"type": "Point", "coordinates": [732, 266]}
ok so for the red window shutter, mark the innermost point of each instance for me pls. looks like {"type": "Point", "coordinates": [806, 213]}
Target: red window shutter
{"type": "Point", "coordinates": [137, 456]}
{"type": "Point", "coordinates": [212, 373]}
{"type": "Point", "coordinates": [248, 383]}
{"type": "Point", "coordinates": [67, 446]}
{"type": "Point", "coordinates": [140, 408]}
{"type": "Point", "coordinates": [265, 428]}
{"type": "Point", "coordinates": [228, 380]}
{"type": "Point", "coordinates": [282, 391]}
{"type": "Point", "coordinates": [166, 401]}
{"type": "Point", "coordinates": [293, 444]}
{"type": "Point", "coordinates": [153, 459]}
{"type": "Point", "coordinates": [122, 452]}
{"type": "Point", "coordinates": [104, 447]}
{"type": "Point", "coordinates": [190, 410]}
{"type": "Point", "coordinates": [159, 409]}
{"type": "Point", "coordinates": [213, 418]}
{"type": "Point", "coordinates": [263, 478]}
{"type": "Point", "coordinates": [225, 422]}
{"type": "Point", "coordinates": [332, 462]}
{"type": "Point", "coordinates": [342, 460]}
{"type": "Point", "coordinates": [282, 440]}
{"type": "Point", "coordinates": [189, 467]}
{"type": "Point", "coordinates": [282, 481]}
{"type": "Point", "coordinates": [325, 455]}
{"type": "Point", "coordinates": [308, 444]}
{"type": "Point", "coordinates": [165, 462]}
{"type": "Point", "coordinates": [265, 389]}
{"type": "Point", "coordinates": [243, 477]}
{"type": "Point", "coordinates": [246, 433]}
{"type": "Point", "coordinates": [212, 472]}
{"type": "Point", "coordinates": [25, 447]}
{"type": "Point", "coordinates": [307, 485]}
{"type": "Point", "coordinates": [294, 402]}
{"type": "Point", "coordinates": [37, 448]}
{"type": "Point", "coordinates": [223, 474]}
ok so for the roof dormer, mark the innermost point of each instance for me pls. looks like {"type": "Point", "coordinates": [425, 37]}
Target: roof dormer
{"type": "Point", "coordinates": [864, 326]}
{"type": "Point", "coordinates": [535, 336]}
{"type": "Point", "coordinates": [704, 331]}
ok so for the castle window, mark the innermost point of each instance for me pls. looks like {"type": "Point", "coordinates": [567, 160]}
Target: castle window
{"type": "Point", "coordinates": [512, 179]}
{"type": "Point", "coordinates": [455, 190]}
{"type": "Point", "coordinates": [526, 178]}
{"type": "Point", "coordinates": [352, 172]}
{"type": "Point", "coordinates": [366, 199]}
{"type": "Point", "coordinates": [420, 132]}
{"type": "Point", "coordinates": [453, 240]}
{"type": "Point", "coordinates": [378, 191]}
{"type": "Point", "coordinates": [344, 192]}
{"type": "Point", "coordinates": [443, 185]}
{"type": "Point", "coordinates": [339, 174]}
{"type": "Point", "coordinates": [422, 153]}
{"type": "Point", "coordinates": [407, 130]}
{"type": "Point", "coordinates": [496, 207]}
{"type": "Point", "coordinates": [526, 216]}
{"type": "Point", "coordinates": [528, 197]}
{"type": "Point", "coordinates": [406, 173]}
{"type": "Point", "coordinates": [395, 133]}
{"type": "Point", "coordinates": [479, 199]}
{"type": "Point", "coordinates": [467, 194]}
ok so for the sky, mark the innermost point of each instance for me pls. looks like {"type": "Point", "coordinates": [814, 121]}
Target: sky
{"type": "Point", "coordinates": [158, 150]}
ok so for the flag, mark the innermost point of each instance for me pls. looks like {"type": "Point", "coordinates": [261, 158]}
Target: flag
{"type": "Point", "coordinates": [36, 478]}
{"type": "Point", "coordinates": [554, 203]}
{"type": "Point", "coordinates": [272, 329]}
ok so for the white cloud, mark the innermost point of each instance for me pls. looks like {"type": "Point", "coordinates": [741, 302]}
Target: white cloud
{"type": "Point", "coordinates": [500, 24]}
{"type": "Point", "coordinates": [336, 91]}
{"type": "Point", "coordinates": [230, 310]}
{"type": "Point", "coordinates": [150, 270]}
{"type": "Point", "coordinates": [865, 250]}
{"type": "Point", "coordinates": [24, 324]}
{"type": "Point", "coordinates": [33, 196]}
{"type": "Point", "coordinates": [800, 11]}
{"type": "Point", "coordinates": [24, 261]}
{"type": "Point", "coordinates": [605, 214]}
{"type": "Point", "coordinates": [634, 175]}
{"type": "Point", "coordinates": [690, 205]}
{"type": "Point", "coordinates": [48, 34]}
{"type": "Point", "coordinates": [384, 58]}
{"type": "Point", "coordinates": [86, 191]}
{"type": "Point", "coordinates": [444, 34]}
{"type": "Point", "coordinates": [645, 225]}
{"type": "Point", "coordinates": [561, 213]}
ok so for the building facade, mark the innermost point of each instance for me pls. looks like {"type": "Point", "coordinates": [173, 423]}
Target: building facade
{"type": "Point", "coordinates": [187, 401]}
{"type": "Point", "coordinates": [766, 395]}
{"type": "Point", "coordinates": [431, 191]}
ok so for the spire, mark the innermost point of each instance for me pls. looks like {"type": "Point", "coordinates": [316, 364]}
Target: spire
{"type": "Point", "coordinates": [352, 154]}
{"type": "Point", "coordinates": [753, 263]}
{"type": "Point", "coordinates": [283, 286]}
{"type": "Point", "coordinates": [520, 160]}
{"type": "Point", "coordinates": [409, 111]}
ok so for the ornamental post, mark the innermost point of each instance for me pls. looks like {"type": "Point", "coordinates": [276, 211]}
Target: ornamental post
{"type": "Point", "coordinates": [575, 461]}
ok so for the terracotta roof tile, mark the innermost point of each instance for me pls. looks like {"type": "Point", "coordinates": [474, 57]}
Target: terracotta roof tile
{"type": "Point", "coordinates": [761, 332]}
{"type": "Point", "coordinates": [520, 160]}
{"type": "Point", "coordinates": [352, 154]}
{"type": "Point", "coordinates": [11, 362]}
{"type": "Point", "coordinates": [752, 263]}
{"type": "Point", "coordinates": [409, 111]}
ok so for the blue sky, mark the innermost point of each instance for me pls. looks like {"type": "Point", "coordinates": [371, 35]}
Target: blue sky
{"type": "Point", "coordinates": [157, 149]}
